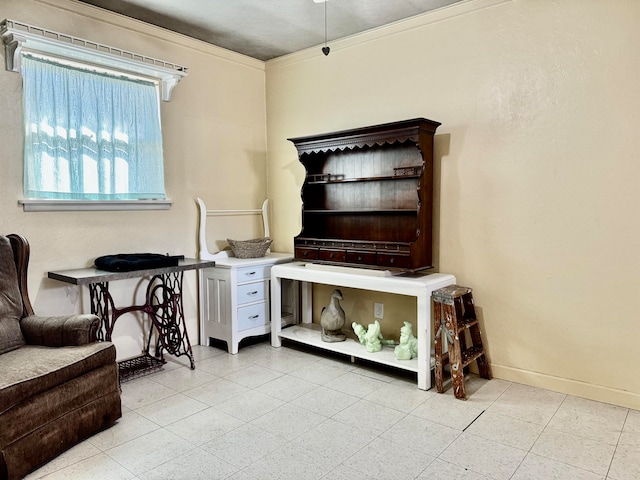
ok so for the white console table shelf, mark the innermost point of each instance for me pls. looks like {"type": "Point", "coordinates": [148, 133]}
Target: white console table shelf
{"type": "Point", "coordinates": [419, 286]}
{"type": "Point", "coordinates": [309, 334]}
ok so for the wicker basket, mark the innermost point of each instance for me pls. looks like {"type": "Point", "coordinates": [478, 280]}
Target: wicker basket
{"type": "Point", "coordinates": [250, 248]}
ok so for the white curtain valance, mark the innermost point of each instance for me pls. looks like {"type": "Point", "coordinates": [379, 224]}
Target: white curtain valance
{"type": "Point", "coordinates": [18, 36]}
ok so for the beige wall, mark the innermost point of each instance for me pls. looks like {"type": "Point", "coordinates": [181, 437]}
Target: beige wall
{"type": "Point", "coordinates": [536, 170]}
{"type": "Point", "coordinates": [214, 145]}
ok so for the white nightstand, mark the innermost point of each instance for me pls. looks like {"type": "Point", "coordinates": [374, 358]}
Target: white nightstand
{"type": "Point", "coordinates": [234, 299]}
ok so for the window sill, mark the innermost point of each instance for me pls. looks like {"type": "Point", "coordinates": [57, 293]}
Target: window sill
{"type": "Point", "coordinates": [92, 205]}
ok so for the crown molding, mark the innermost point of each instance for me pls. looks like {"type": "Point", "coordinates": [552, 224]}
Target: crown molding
{"type": "Point", "coordinates": [158, 33]}
{"type": "Point", "coordinates": [401, 26]}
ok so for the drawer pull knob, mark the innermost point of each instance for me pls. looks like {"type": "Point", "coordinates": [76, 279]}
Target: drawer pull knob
{"type": "Point", "coordinates": [250, 274]}
{"type": "Point", "coordinates": [255, 292]}
{"type": "Point", "coordinates": [253, 317]}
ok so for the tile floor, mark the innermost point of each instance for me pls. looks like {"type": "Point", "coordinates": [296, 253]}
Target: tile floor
{"type": "Point", "coordinates": [288, 414]}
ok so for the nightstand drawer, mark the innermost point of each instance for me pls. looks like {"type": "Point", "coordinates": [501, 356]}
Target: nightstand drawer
{"type": "Point", "coordinates": [257, 272]}
{"type": "Point", "coordinates": [252, 292]}
{"type": "Point", "coordinates": [252, 316]}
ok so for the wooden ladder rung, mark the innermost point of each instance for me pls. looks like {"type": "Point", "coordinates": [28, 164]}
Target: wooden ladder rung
{"type": "Point", "coordinates": [466, 324]}
{"type": "Point", "coordinates": [471, 355]}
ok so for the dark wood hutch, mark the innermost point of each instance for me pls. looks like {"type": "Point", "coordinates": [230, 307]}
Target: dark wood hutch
{"type": "Point", "coordinates": [367, 198]}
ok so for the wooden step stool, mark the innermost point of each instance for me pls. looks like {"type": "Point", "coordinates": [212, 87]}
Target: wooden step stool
{"type": "Point", "coordinates": [454, 314]}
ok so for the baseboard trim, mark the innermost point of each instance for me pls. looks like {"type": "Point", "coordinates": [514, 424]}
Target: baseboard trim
{"type": "Point", "coordinates": [590, 391]}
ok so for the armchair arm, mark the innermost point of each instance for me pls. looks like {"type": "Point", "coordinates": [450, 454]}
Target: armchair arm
{"type": "Point", "coordinates": [60, 331]}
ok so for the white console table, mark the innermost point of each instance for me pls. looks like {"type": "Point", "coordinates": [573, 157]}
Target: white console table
{"type": "Point", "coordinates": [416, 285]}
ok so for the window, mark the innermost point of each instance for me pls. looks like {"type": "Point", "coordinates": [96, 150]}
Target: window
{"type": "Point", "coordinates": [93, 139]}
{"type": "Point", "coordinates": [90, 134]}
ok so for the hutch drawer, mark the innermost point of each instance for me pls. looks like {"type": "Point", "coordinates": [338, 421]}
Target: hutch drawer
{"type": "Point", "coordinates": [365, 258]}
{"type": "Point", "coordinates": [332, 255]}
{"type": "Point", "coordinates": [394, 260]}
{"type": "Point", "coordinates": [306, 253]}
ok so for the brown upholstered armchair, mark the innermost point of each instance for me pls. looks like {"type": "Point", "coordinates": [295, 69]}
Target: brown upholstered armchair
{"type": "Point", "coordinates": [58, 385]}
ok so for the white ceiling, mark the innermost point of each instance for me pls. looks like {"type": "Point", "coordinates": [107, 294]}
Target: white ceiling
{"type": "Point", "coordinates": [266, 29]}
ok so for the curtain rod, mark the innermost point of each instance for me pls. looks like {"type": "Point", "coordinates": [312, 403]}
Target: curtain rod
{"type": "Point", "coordinates": [18, 35]}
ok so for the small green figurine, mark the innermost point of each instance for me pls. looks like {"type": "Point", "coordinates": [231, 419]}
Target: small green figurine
{"type": "Point", "coordinates": [371, 338]}
{"type": "Point", "coordinates": [408, 346]}
{"type": "Point", "coordinates": [359, 331]}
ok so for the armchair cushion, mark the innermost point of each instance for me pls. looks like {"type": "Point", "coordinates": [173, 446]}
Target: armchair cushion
{"type": "Point", "coordinates": [24, 377]}
{"type": "Point", "coordinates": [60, 331]}
{"type": "Point", "coordinates": [10, 300]}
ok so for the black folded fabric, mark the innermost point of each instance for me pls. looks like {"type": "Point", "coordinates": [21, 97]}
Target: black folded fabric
{"type": "Point", "coordinates": [127, 262]}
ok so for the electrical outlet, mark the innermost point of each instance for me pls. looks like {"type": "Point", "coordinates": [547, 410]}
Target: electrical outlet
{"type": "Point", "coordinates": [378, 310]}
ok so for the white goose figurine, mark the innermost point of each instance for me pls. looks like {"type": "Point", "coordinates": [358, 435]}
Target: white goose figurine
{"type": "Point", "coordinates": [332, 319]}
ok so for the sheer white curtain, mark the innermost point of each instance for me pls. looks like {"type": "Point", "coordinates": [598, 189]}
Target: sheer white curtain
{"type": "Point", "coordinates": [90, 135]}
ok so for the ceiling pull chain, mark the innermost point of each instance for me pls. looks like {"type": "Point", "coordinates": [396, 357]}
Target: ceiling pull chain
{"type": "Point", "coordinates": [326, 48]}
